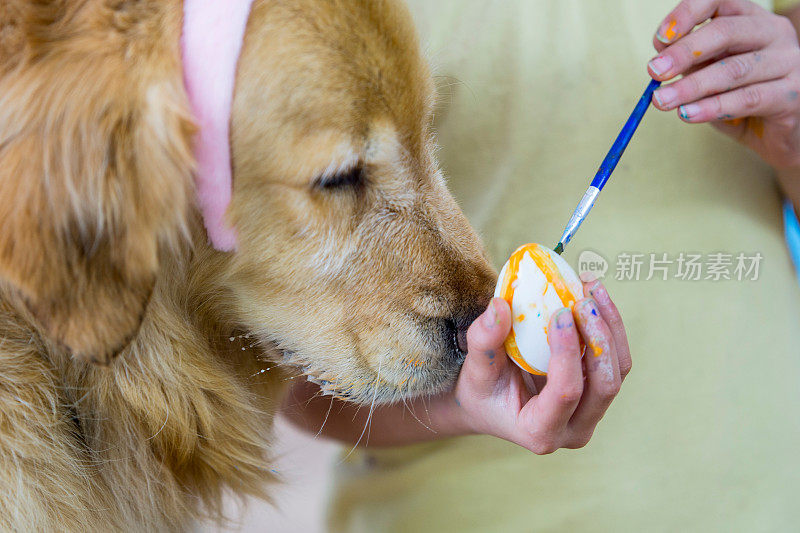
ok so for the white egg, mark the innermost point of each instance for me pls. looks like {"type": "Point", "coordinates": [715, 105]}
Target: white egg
{"type": "Point", "coordinates": [536, 282]}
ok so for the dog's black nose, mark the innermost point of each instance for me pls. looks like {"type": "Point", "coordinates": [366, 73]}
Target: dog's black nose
{"type": "Point", "coordinates": [461, 339]}
{"type": "Point", "coordinates": [456, 343]}
{"type": "Point", "coordinates": [463, 322]}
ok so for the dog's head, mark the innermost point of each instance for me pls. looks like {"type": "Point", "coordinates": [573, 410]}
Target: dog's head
{"type": "Point", "coordinates": [353, 256]}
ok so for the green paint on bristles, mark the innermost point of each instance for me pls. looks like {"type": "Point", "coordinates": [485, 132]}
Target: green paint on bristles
{"type": "Point", "coordinates": [559, 249]}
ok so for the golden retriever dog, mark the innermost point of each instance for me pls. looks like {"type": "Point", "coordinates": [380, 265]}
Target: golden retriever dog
{"type": "Point", "coordinates": [139, 367]}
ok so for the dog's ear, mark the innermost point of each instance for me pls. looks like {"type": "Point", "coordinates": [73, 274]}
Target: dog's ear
{"type": "Point", "coordinates": [95, 182]}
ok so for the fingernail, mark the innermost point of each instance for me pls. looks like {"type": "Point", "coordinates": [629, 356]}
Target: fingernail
{"type": "Point", "coordinates": [587, 277]}
{"type": "Point", "coordinates": [600, 294]}
{"type": "Point", "coordinates": [666, 33]}
{"type": "Point", "coordinates": [660, 65]}
{"type": "Point", "coordinates": [590, 306]}
{"type": "Point", "coordinates": [490, 316]}
{"type": "Point", "coordinates": [564, 319]}
{"type": "Point", "coordinates": [591, 287]}
{"type": "Point", "coordinates": [689, 111]}
{"type": "Point", "coordinates": [665, 96]}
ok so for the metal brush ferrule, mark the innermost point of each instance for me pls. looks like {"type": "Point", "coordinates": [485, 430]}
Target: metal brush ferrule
{"type": "Point", "coordinates": [580, 213]}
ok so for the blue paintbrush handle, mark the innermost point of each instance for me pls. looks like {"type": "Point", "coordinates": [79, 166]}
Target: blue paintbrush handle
{"type": "Point", "coordinates": [618, 148]}
{"type": "Point", "coordinates": [607, 166]}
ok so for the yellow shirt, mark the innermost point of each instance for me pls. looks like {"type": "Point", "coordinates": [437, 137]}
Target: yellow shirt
{"type": "Point", "coordinates": [705, 433]}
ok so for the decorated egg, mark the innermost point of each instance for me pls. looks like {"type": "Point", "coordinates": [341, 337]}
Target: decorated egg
{"type": "Point", "coordinates": [536, 282]}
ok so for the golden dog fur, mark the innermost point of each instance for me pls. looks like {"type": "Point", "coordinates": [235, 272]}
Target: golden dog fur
{"type": "Point", "coordinates": [355, 266]}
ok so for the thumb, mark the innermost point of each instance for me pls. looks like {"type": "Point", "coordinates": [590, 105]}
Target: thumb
{"type": "Point", "coordinates": [486, 355]}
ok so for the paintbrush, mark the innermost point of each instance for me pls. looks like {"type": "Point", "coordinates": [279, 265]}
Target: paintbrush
{"type": "Point", "coordinates": [607, 167]}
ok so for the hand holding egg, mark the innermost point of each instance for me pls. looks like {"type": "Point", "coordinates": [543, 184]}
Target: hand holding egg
{"type": "Point", "coordinates": [495, 397]}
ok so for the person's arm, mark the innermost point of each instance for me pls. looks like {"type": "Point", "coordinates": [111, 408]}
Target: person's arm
{"type": "Point", "coordinates": [741, 72]}
{"type": "Point", "coordinates": [491, 395]}
{"type": "Point", "coordinates": [790, 178]}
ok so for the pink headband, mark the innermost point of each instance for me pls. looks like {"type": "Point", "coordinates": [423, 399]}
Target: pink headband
{"type": "Point", "coordinates": [213, 31]}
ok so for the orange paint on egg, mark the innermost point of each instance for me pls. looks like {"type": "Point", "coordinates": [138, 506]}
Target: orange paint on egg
{"type": "Point", "coordinates": [521, 317]}
{"type": "Point", "coordinates": [513, 352]}
{"type": "Point", "coordinates": [546, 265]}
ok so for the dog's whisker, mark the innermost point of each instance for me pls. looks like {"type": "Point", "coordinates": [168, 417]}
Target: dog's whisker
{"type": "Point", "coordinates": [325, 420]}
{"type": "Point", "coordinates": [423, 424]}
{"type": "Point", "coordinates": [374, 396]}
{"type": "Point", "coordinates": [358, 410]}
{"type": "Point", "coordinates": [369, 415]}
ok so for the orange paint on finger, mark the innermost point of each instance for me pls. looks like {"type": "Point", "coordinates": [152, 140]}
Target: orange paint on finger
{"type": "Point", "coordinates": [697, 53]}
{"type": "Point", "coordinates": [670, 32]}
{"type": "Point", "coordinates": [597, 350]}
{"type": "Point", "coordinates": [756, 125]}
{"type": "Point", "coordinates": [733, 122]}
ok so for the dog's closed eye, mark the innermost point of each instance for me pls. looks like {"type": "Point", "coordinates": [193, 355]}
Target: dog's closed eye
{"type": "Point", "coordinates": [347, 178]}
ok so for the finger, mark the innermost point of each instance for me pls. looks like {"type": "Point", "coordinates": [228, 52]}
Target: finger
{"type": "Point", "coordinates": [486, 356]}
{"type": "Point", "coordinates": [603, 379]}
{"type": "Point", "coordinates": [726, 35]}
{"type": "Point", "coordinates": [613, 319]}
{"type": "Point", "coordinates": [726, 75]}
{"type": "Point", "coordinates": [700, 66]}
{"type": "Point", "coordinates": [750, 130]}
{"type": "Point", "coordinates": [765, 99]}
{"type": "Point", "coordinates": [543, 420]}
{"type": "Point", "coordinates": [690, 13]}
